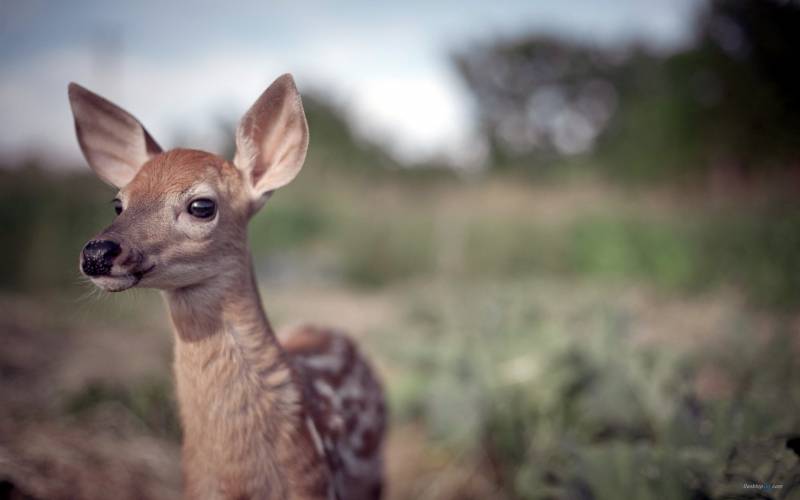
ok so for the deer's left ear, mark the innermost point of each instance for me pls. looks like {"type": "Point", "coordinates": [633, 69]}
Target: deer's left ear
{"type": "Point", "coordinates": [272, 139]}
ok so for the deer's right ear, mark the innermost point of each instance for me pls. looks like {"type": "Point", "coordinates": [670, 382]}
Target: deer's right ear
{"type": "Point", "coordinates": [114, 143]}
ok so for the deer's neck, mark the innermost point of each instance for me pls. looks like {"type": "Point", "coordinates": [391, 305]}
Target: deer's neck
{"type": "Point", "coordinates": [240, 404]}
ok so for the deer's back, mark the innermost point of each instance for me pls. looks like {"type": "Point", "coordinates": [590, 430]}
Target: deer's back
{"type": "Point", "coordinates": [346, 404]}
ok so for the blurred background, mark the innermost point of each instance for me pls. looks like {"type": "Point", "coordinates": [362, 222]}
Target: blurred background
{"type": "Point", "coordinates": [567, 233]}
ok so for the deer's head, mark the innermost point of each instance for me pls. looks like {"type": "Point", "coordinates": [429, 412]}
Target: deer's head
{"type": "Point", "coordinates": [182, 214]}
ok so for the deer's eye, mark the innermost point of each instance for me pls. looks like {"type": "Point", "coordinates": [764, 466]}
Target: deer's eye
{"type": "Point", "coordinates": [202, 208]}
{"type": "Point", "coordinates": [117, 205]}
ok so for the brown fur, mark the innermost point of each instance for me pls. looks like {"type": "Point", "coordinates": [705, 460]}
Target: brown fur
{"type": "Point", "coordinates": [260, 420]}
{"type": "Point", "coordinates": [244, 399]}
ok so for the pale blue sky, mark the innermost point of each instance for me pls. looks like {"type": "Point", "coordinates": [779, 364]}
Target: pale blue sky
{"type": "Point", "coordinates": [178, 65]}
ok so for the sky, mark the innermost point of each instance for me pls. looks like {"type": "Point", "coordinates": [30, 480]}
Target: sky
{"type": "Point", "coordinates": [181, 67]}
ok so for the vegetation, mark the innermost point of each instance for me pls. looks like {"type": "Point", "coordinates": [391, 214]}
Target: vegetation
{"type": "Point", "coordinates": [569, 406]}
{"type": "Point", "coordinates": [547, 329]}
{"type": "Point", "coordinates": [727, 104]}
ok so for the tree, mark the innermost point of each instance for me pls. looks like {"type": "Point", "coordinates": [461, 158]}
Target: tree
{"type": "Point", "coordinates": [729, 99]}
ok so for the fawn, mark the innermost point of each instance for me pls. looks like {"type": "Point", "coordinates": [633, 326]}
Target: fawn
{"type": "Point", "coordinates": [302, 417]}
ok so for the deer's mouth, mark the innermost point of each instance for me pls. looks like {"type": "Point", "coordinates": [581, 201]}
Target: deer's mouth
{"type": "Point", "coordinates": [121, 282]}
{"type": "Point", "coordinates": [140, 274]}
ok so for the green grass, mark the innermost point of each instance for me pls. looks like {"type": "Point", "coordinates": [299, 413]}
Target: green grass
{"type": "Point", "coordinates": [757, 251]}
{"type": "Point", "coordinates": [375, 253]}
{"type": "Point", "coordinates": [622, 248]}
{"type": "Point", "coordinates": [287, 223]}
{"type": "Point", "coordinates": [548, 404]}
{"type": "Point", "coordinates": [150, 403]}
{"type": "Point", "coordinates": [571, 407]}
{"type": "Point", "coordinates": [377, 233]}
{"type": "Point", "coordinates": [45, 222]}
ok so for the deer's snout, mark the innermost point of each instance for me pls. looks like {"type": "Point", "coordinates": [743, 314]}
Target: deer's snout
{"type": "Point", "coordinates": [98, 256]}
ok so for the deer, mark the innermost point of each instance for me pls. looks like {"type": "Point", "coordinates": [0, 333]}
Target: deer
{"type": "Point", "coordinates": [296, 415]}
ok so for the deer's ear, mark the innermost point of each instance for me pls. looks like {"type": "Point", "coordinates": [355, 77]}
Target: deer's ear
{"type": "Point", "coordinates": [114, 143]}
{"type": "Point", "coordinates": [272, 139]}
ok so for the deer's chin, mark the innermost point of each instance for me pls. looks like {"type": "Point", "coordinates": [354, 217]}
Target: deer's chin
{"type": "Point", "coordinates": [121, 282]}
{"type": "Point", "coordinates": [115, 283]}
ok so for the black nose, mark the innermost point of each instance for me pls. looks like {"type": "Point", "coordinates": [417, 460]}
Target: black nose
{"type": "Point", "coordinates": [98, 257]}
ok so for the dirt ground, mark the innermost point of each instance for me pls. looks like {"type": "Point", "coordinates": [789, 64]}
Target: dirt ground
{"type": "Point", "coordinates": [47, 453]}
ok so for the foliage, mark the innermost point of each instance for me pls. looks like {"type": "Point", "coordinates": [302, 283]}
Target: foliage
{"type": "Point", "coordinates": [727, 102]}
{"type": "Point", "coordinates": [150, 402]}
{"type": "Point", "coordinates": [545, 404]}
{"type": "Point", "coordinates": [373, 239]}
{"type": "Point", "coordinates": [46, 220]}
{"type": "Point", "coordinates": [573, 408]}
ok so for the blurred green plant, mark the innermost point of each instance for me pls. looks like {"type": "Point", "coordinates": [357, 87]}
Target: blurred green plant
{"type": "Point", "coordinates": [615, 247]}
{"type": "Point", "coordinates": [758, 251]}
{"type": "Point", "coordinates": [46, 219]}
{"type": "Point", "coordinates": [723, 105]}
{"type": "Point", "coordinates": [150, 402]}
{"type": "Point", "coordinates": [575, 409]}
{"type": "Point", "coordinates": [289, 223]}
{"type": "Point", "coordinates": [373, 253]}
